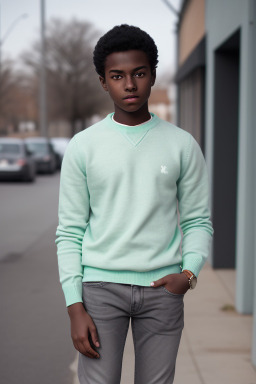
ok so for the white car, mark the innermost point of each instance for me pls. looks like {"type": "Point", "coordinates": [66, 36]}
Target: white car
{"type": "Point", "coordinates": [60, 145]}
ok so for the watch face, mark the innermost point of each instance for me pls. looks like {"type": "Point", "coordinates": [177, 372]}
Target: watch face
{"type": "Point", "coordinates": [193, 283]}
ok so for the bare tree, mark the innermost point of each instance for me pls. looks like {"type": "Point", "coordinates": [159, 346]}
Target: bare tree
{"type": "Point", "coordinates": [6, 85]}
{"type": "Point", "coordinates": [74, 91]}
{"type": "Point", "coordinates": [17, 98]}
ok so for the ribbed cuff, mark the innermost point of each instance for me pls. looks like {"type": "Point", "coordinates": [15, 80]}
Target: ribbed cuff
{"type": "Point", "coordinates": [195, 250]}
{"type": "Point", "coordinates": [73, 293]}
{"type": "Point", "coordinates": [193, 263]}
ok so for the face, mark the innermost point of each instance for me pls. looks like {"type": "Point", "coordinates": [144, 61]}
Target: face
{"type": "Point", "coordinates": [128, 79]}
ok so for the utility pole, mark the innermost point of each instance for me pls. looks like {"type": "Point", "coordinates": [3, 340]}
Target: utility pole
{"type": "Point", "coordinates": [175, 112]}
{"type": "Point", "coordinates": [42, 90]}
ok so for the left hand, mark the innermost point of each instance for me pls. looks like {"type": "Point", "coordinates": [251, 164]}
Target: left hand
{"type": "Point", "coordinates": [175, 282]}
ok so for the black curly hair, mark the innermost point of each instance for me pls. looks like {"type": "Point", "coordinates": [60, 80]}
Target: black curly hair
{"type": "Point", "coordinates": [123, 38]}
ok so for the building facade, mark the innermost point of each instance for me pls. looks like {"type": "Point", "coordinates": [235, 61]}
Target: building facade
{"type": "Point", "coordinates": [216, 79]}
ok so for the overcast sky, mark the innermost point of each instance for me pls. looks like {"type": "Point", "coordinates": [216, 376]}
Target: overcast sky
{"type": "Point", "coordinates": [151, 15]}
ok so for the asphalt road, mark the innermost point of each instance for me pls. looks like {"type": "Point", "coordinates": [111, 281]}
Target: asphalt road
{"type": "Point", "coordinates": [35, 341]}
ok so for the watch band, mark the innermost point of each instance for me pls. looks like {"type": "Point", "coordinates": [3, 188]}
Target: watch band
{"type": "Point", "coordinates": [192, 279]}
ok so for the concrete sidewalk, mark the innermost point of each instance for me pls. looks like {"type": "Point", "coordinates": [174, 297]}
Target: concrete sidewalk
{"type": "Point", "coordinates": [215, 346]}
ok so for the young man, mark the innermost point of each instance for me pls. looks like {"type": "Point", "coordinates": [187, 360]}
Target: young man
{"type": "Point", "coordinates": [118, 239]}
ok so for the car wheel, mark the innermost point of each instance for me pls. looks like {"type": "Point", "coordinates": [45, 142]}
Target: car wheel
{"type": "Point", "coordinates": [52, 168]}
{"type": "Point", "coordinates": [30, 176]}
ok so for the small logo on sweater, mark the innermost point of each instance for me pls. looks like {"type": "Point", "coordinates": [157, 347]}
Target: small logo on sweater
{"type": "Point", "coordinates": [164, 169]}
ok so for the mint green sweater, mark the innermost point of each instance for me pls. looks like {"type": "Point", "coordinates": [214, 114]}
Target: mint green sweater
{"type": "Point", "coordinates": [118, 218]}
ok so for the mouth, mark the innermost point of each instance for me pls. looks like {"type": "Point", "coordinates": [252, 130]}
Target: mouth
{"type": "Point", "coordinates": [131, 98]}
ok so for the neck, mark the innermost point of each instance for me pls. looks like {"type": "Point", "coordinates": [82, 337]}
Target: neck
{"type": "Point", "coordinates": [132, 118]}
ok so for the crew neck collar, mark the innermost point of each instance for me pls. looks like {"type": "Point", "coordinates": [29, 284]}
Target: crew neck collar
{"type": "Point", "coordinates": [126, 125]}
{"type": "Point", "coordinates": [133, 128]}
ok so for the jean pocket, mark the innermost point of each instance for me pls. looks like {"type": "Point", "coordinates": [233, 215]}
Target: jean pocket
{"type": "Point", "coordinates": [171, 293]}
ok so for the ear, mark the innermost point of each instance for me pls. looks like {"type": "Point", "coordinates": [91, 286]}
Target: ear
{"type": "Point", "coordinates": [153, 77]}
{"type": "Point", "coordinates": [103, 83]}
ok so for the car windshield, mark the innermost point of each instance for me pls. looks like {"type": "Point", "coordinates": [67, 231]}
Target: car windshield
{"type": "Point", "coordinates": [38, 147]}
{"type": "Point", "coordinates": [9, 148]}
{"type": "Point", "coordinates": [60, 146]}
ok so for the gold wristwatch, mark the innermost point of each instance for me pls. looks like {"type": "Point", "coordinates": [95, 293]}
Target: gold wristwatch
{"type": "Point", "coordinates": [192, 279]}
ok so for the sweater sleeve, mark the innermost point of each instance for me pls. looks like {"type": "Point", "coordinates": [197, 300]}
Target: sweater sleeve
{"type": "Point", "coordinates": [194, 209]}
{"type": "Point", "coordinates": [73, 213]}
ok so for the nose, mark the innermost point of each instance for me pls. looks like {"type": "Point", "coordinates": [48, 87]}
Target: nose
{"type": "Point", "coordinates": [130, 84]}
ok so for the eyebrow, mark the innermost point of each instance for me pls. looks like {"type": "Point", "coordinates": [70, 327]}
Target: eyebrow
{"type": "Point", "coordinates": [135, 69]}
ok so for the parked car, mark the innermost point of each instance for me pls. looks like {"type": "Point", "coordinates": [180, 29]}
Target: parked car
{"type": "Point", "coordinates": [43, 153]}
{"type": "Point", "coordinates": [16, 161]}
{"type": "Point", "coordinates": [59, 145]}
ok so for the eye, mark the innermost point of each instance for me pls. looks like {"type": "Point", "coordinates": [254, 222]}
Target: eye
{"type": "Point", "coordinates": [139, 74]}
{"type": "Point", "coordinates": [116, 77]}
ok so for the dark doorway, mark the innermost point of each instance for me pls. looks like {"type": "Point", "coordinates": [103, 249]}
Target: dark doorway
{"type": "Point", "coordinates": [226, 112]}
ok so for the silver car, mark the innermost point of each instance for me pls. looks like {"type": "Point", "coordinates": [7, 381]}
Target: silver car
{"type": "Point", "coordinates": [16, 161]}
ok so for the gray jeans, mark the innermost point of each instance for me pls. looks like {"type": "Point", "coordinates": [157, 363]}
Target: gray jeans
{"type": "Point", "coordinates": [157, 321]}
